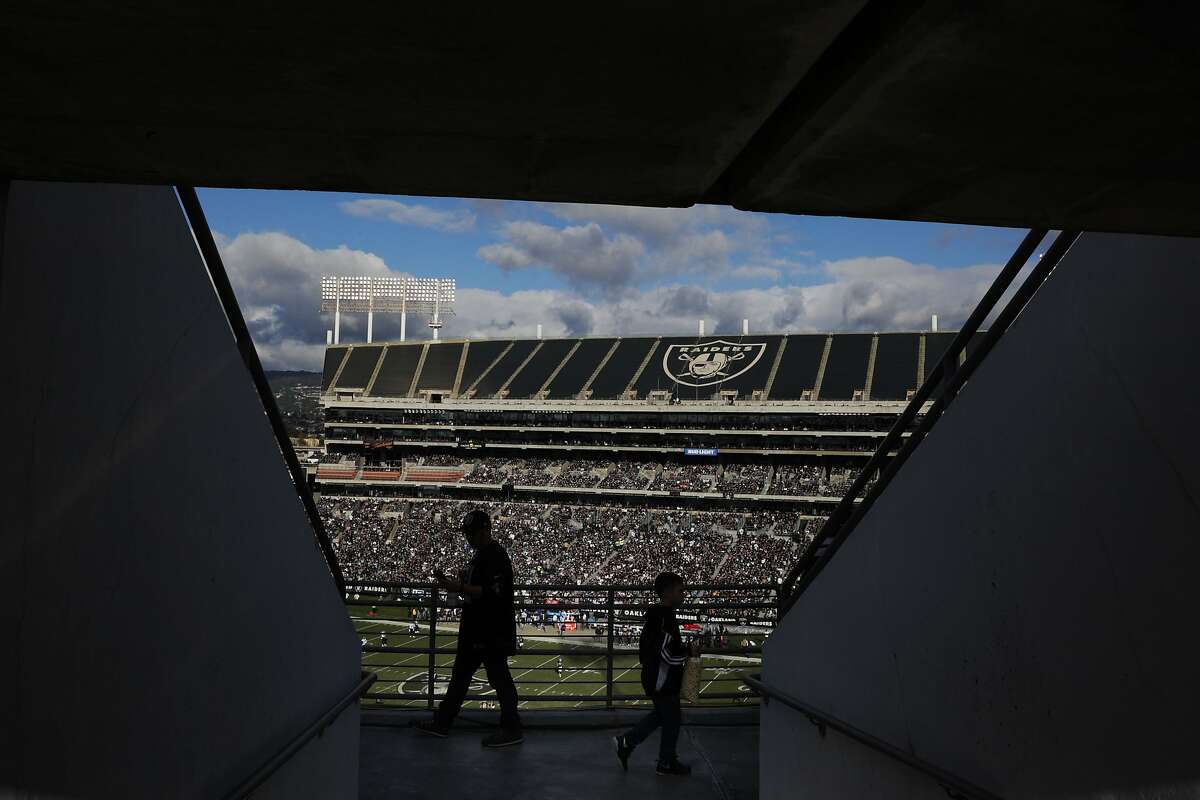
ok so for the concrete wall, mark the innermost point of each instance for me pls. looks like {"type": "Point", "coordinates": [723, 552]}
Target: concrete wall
{"type": "Point", "coordinates": [1020, 606]}
{"type": "Point", "coordinates": [167, 618]}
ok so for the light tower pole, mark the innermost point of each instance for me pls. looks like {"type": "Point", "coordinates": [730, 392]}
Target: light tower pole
{"type": "Point", "coordinates": [337, 313]}
{"type": "Point", "coordinates": [370, 316]}
{"type": "Point", "coordinates": [435, 324]}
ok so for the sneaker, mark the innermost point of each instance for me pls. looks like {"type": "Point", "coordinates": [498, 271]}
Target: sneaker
{"type": "Point", "coordinates": [503, 738]}
{"type": "Point", "coordinates": [673, 767]}
{"type": "Point", "coordinates": [623, 751]}
{"type": "Point", "coordinates": [431, 727]}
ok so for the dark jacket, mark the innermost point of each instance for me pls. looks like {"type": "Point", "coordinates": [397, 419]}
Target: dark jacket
{"type": "Point", "coordinates": [488, 622]}
{"type": "Point", "coordinates": [662, 652]}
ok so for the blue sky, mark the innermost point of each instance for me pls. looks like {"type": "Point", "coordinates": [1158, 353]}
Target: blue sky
{"type": "Point", "coordinates": [581, 269]}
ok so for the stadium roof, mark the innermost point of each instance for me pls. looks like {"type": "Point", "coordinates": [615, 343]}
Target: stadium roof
{"type": "Point", "coordinates": [1069, 114]}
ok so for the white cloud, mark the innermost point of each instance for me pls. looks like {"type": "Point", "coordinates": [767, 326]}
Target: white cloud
{"type": "Point", "coordinates": [277, 279]}
{"type": "Point", "coordinates": [583, 254]}
{"type": "Point", "coordinates": [756, 273]}
{"type": "Point", "coordinates": [611, 247]}
{"type": "Point", "coordinates": [864, 294]}
{"type": "Point", "coordinates": [456, 221]}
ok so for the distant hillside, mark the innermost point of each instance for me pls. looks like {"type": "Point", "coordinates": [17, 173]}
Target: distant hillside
{"type": "Point", "coordinates": [279, 378]}
{"type": "Point", "coordinates": [295, 394]}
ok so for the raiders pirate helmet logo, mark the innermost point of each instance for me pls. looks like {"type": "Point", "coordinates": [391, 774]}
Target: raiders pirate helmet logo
{"type": "Point", "coordinates": [710, 363]}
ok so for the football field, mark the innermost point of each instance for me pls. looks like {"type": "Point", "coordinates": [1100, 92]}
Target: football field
{"type": "Point", "coordinates": [404, 677]}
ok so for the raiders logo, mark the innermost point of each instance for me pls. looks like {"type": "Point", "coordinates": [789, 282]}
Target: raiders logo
{"type": "Point", "coordinates": [710, 363]}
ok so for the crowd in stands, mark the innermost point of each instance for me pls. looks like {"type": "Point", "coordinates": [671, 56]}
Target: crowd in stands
{"type": "Point", "coordinates": [796, 480]}
{"type": "Point", "coordinates": [628, 475]}
{"type": "Point", "coordinates": [801, 479]}
{"type": "Point", "coordinates": [756, 558]}
{"type": "Point", "coordinates": [487, 470]}
{"type": "Point", "coordinates": [392, 540]}
{"type": "Point", "coordinates": [578, 474]}
{"type": "Point", "coordinates": [675, 541]}
{"type": "Point", "coordinates": [744, 478]}
{"type": "Point", "coordinates": [532, 471]}
{"type": "Point", "coordinates": [685, 478]}
{"type": "Point", "coordinates": [440, 460]}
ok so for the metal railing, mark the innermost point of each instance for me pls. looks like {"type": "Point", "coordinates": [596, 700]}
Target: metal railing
{"type": "Point", "coordinates": [747, 611]}
{"type": "Point", "coordinates": [315, 728]}
{"type": "Point", "coordinates": [946, 378]}
{"type": "Point", "coordinates": [955, 786]}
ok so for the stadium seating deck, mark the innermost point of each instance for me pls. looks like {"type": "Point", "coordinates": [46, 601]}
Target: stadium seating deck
{"type": "Point", "coordinates": [935, 347]}
{"type": "Point", "coordinates": [615, 375]}
{"type": "Point", "coordinates": [396, 373]}
{"type": "Point", "coordinates": [571, 378]}
{"type": "Point", "coordinates": [441, 365]}
{"type": "Point", "coordinates": [895, 366]}
{"type": "Point", "coordinates": [333, 360]}
{"type": "Point", "coordinates": [564, 366]}
{"type": "Point", "coordinates": [480, 355]}
{"type": "Point", "coordinates": [846, 370]}
{"type": "Point", "coordinates": [490, 383]}
{"type": "Point", "coordinates": [530, 379]}
{"type": "Point", "coordinates": [798, 369]}
{"type": "Point", "coordinates": [359, 367]}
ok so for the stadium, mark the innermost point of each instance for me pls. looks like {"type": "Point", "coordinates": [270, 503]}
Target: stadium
{"type": "Point", "coordinates": [603, 461]}
{"type": "Point", "coordinates": [908, 562]}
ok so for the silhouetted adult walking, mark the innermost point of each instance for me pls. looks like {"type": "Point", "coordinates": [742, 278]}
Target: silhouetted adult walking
{"type": "Point", "coordinates": [487, 633]}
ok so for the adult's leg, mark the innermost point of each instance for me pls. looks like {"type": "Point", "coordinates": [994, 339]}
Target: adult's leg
{"type": "Point", "coordinates": [644, 727]}
{"type": "Point", "coordinates": [668, 711]}
{"type": "Point", "coordinates": [501, 679]}
{"type": "Point", "coordinates": [466, 661]}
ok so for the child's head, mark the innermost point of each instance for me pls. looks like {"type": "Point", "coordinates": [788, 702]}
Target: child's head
{"type": "Point", "coordinates": [669, 588]}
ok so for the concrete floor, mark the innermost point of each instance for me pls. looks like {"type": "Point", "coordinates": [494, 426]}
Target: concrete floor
{"type": "Point", "coordinates": [565, 755]}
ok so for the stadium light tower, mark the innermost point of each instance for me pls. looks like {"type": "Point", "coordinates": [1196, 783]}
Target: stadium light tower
{"type": "Point", "coordinates": [398, 295]}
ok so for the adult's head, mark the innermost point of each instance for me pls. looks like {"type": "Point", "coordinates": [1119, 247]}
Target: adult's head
{"type": "Point", "coordinates": [669, 588]}
{"type": "Point", "coordinates": [477, 527]}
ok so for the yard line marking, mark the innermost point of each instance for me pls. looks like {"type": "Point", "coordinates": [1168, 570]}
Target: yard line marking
{"type": "Point", "coordinates": [605, 684]}
{"type": "Point", "coordinates": [561, 682]}
{"type": "Point", "coordinates": [526, 672]}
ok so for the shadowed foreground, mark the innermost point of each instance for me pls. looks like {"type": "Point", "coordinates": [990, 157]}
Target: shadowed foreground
{"type": "Point", "coordinates": [560, 758]}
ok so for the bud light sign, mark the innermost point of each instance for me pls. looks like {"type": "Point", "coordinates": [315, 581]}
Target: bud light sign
{"type": "Point", "coordinates": [699, 451]}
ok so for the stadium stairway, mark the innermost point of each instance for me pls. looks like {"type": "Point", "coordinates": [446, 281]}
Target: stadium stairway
{"type": "Point", "coordinates": [1017, 607]}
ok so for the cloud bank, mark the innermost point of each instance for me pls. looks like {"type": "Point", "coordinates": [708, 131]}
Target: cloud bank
{"type": "Point", "coordinates": [277, 279]}
{"type": "Point", "coordinates": [456, 221]}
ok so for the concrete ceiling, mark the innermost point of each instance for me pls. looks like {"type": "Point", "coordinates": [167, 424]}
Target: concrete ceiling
{"type": "Point", "coordinates": [1066, 114]}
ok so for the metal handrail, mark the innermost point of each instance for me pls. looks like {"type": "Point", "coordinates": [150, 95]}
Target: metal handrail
{"type": "Point", "coordinates": [272, 765]}
{"type": "Point", "coordinates": [953, 784]}
{"type": "Point", "coordinates": [606, 649]}
{"type": "Point", "coordinates": [947, 376]}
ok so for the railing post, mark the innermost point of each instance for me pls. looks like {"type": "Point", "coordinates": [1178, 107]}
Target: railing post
{"type": "Point", "coordinates": [612, 621]}
{"type": "Point", "coordinates": [433, 608]}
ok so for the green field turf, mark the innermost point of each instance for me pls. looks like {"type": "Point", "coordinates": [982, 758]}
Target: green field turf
{"type": "Point", "coordinates": [404, 676]}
